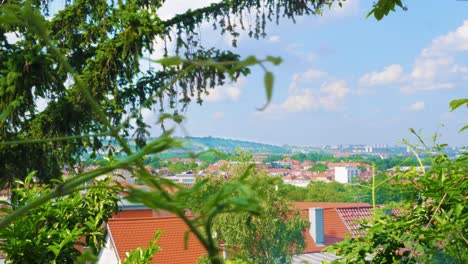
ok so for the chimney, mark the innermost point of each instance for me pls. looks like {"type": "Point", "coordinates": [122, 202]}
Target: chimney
{"type": "Point", "coordinates": [316, 225]}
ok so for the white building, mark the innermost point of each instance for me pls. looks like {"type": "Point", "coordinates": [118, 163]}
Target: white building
{"type": "Point", "coordinates": [346, 174]}
{"type": "Point", "coordinates": [184, 179]}
{"type": "Point", "coordinates": [298, 183]}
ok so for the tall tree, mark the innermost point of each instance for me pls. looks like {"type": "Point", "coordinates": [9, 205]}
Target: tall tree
{"type": "Point", "coordinates": [103, 43]}
{"type": "Point", "coordinates": [272, 236]}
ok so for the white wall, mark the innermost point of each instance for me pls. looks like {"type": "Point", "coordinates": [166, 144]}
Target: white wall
{"type": "Point", "coordinates": [108, 255]}
{"type": "Point", "coordinates": [346, 174]}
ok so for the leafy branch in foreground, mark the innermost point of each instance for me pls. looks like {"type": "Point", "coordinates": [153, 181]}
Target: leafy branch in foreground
{"type": "Point", "coordinates": [51, 232]}
{"type": "Point", "coordinates": [84, 63]}
{"type": "Point", "coordinates": [133, 161]}
{"type": "Point", "coordinates": [143, 255]}
{"type": "Point", "coordinates": [431, 228]}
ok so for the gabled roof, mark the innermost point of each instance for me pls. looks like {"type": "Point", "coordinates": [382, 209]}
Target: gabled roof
{"type": "Point", "coordinates": [334, 230]}
{"type": "Point", "coordinates": [133, 231]}
{"type": "Point", "coordinates": [351, 215]}
{"type": "Point", "coordinates": [337, 218]}
{"type": "Point", "coordinates": [130, 233]}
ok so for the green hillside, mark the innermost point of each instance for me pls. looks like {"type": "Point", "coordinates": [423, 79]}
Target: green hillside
{"type": "Point", "coordinates": [230, 145]}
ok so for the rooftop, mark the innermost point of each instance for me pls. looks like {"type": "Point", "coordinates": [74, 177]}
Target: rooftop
{"type": "Point", "coordinates": [131, 233]}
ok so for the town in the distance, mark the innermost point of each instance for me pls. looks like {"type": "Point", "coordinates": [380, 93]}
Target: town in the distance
{"type": "Point", "coordinates": [296, 165]}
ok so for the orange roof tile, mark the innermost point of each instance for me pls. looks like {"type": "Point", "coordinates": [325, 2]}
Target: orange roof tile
{"type": "Point", "coordinates": [129, 234]}
{"type": "Point", "coordinates": [337, 219]}
{"type": "Point", "coordinates": [334, 230]}
{"type": "Point", "coordinates": [351, 215]}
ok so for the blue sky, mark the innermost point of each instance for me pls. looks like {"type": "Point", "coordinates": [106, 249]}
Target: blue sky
{"type": "Point", "coordinates": [345, 78]}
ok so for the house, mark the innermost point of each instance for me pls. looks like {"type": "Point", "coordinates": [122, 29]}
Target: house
{"type": "Point", "coordinates": [135, 227]}
{"type": "Point", "coordinates": [329, 222]}
{"type": "Point", "coordinates": [127, 234]}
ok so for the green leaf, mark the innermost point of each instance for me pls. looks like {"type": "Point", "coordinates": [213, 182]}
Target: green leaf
{"type": "Point", "coordinates": [186, 238]}
{"type": "Point", "coordinates": [378, 14]}
{"type": "Point", "coordinates": [275, 60]}
{"type": "Point", "coordinates": [454, 104]}
{"type": "Point", "coordinates": [268, 81]}
{"type": "Point", "coordinates": [170, 61]}
{"type": "Point", "coordinates": [250, 60]}
{"type": "Point", "coordinates": [463, 129]}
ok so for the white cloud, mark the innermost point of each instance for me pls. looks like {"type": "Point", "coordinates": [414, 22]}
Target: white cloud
{"type": "Point", "coordinates": [349, 8]}
{"type": "Point", "coordinates": [453, 41]}
{"type": "Point", "coordinates": [329, 97]}
{"type": "Point", "coordinates": [416, 106]}
{"type": "Point", "coordinates": [427, 68]}
{"type": "Point", "coordinates": [435, 68]}
{"type": "Point", "coordinates": [229, 92]}
{"type": "Point", "coordinates": [302, 97]}
{"type": "Point", "coordinates": [303, 100]}
{"type": "Point", "coordinates": [174, 7]}
{"type": "Point", "coordinates": [333, 95]}
{"type": "Point", "coordinates": [390, 74]}
{"type": "Point", "coordinates": [306, 77]}
{"type": "Point", "coordinates": [274, 39]}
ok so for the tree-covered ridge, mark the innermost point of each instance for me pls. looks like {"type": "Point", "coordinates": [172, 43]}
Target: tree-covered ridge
{"type": "Point", "coordinates": [230, 145]}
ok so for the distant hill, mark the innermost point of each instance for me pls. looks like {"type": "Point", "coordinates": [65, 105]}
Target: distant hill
{"type": "Point", "coordinates": [230, 145]}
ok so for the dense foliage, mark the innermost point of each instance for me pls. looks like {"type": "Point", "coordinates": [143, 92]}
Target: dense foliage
{"type": "Point", "coordinates": [429, 227]}
{"type": "Point", "coordinates": [318, 167]}
{"type": "Point", "coordinates": [84, 62]}
{"type": "Point", "coordinates": [272, 236]}
{"type": "Point", "coordinates": [81, 62]}
{"type": "Point", "coordinates": [386, 191]}
{"type": "Point", "coordinates": [53, 232]}
{"type": "Point", "coordinates": [230, 145]}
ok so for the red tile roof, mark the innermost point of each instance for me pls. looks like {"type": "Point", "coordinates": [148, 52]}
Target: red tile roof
{"type": "Point", "coordinates": [351, 215]}
{"type": "Point", "coordinates": [337, 219]}
{"type": "Point", "coordinates": [131, 233]}
{"type": "Point", "coordinates": [334, 230]}
{"type": "Point", "coordinates": [133, 214]}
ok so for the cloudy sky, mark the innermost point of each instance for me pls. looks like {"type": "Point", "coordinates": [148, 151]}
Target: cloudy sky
{"type": "Point", "coordinates": [345, 78]}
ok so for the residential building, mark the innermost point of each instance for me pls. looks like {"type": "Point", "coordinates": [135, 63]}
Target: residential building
{"type": "Point", "coordinates": [345, 174]}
